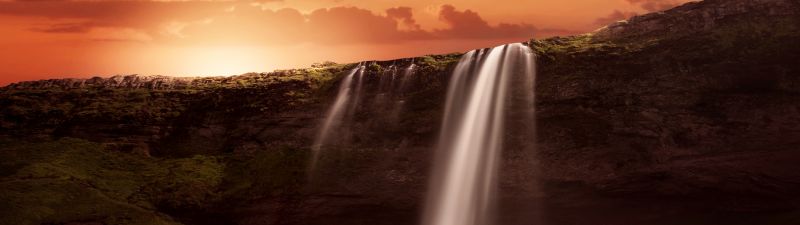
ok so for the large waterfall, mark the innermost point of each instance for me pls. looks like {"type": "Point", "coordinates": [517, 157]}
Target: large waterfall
{"type": "Point", "coordinates": [462, 189]}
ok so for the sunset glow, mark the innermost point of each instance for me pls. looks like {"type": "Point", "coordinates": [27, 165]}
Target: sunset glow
{"type": "Point", "coordinates": [53, 39]}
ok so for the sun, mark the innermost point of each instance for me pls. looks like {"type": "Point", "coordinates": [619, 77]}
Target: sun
{"type": "Point", "coordinates": [223, 61]}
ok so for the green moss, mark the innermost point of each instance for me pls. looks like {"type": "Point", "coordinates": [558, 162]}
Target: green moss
{"type": "Point", "coordinates": [439, 62]}
{"type": "Point", "coordinates": [324, 64]}
{"type": "Point", "coordinates": [54, 200]}
{"type": "Point", "coordinates": [266, 173]}
{"type": "Point", "coordinates": [570, 45]}
{"type": "Point", "coordinates": [74, 180]}
{"type": "Point", "coordinates": [189, 183]}
{"type": "Point", "coordinates": [374, 67]}
{"type": "Point", "coordinates": [323, 80]}
{"type": "Point", "coordinates": [35, 107]}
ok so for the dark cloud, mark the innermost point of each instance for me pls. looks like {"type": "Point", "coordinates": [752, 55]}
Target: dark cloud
{"type": "Point", "coordinates": [614, 17]}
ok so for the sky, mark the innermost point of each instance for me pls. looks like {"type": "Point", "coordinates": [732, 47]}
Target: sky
{"type": "Point", "coordinates": [43, 39]}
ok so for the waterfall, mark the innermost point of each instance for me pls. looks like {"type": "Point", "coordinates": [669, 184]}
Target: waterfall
{"type": "Point", "coordinates": [463, 185]}
{"type": "Point", "coordinates": [386, 82]}
{"type": "Point", "coordinates": [357, 92]}
{"type": "Point", "coordinates": [382, 104]}
{"type": "Point", "coordinates": [337, 111]}
{"type": "Point", "coordinates": [409, 71]}
{"type": "Point", "coordinates": [394, 115]}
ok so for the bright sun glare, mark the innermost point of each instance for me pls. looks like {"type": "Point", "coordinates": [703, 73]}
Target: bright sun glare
{"type": "Point", "coordinates": [223, 61]}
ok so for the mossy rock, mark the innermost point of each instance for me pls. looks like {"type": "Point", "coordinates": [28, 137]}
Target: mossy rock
{"type": "Point", "coordinates": [72, 180]}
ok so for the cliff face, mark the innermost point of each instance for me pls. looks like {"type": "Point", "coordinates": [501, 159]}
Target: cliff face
{"type": "Point", "coordinates": [697, 103]}
{"type": "Point", "coordinates": [688, 116]}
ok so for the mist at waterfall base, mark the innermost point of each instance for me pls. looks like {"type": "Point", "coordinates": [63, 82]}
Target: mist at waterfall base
{"type": "Point", "coordinates": [482, 87]}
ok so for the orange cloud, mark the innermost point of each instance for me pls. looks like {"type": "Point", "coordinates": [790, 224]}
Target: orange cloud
{"type": "Point", "coordinates": [65, 28]}
{"type": "Point", "coordinates": [468, 24]}
{"type": "Point", "coordinates": [405, 15]}
{"type": "Point", "coordinates": [224, 22]}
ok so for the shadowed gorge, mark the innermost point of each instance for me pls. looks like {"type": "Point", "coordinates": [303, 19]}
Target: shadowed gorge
{"type": "Point", "coordinates": [685, 116]}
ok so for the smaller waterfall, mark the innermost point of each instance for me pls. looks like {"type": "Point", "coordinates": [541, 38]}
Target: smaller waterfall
{"type": "Point", "coordinates": [357, 91]}
{"type": "Point", "coordinates": [386, 82]}
{"type": "Point", "coordinates": [382, 104]}
{"type": "Point", "coordinates": [337, 111]}
{"type": "Point", "coordinates": [399, 104]}
{"type": "Point", "coordinates": [462, 189]}
{"type": "Point", "coordinates": [407, 73]}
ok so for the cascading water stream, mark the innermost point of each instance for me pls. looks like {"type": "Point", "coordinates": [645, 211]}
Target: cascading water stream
{"type": "Point", "coordinates": [463, 186]}
{"type": "Point", "coordinates": [337, 111]}
{"type": "Point", "coordinates": [384, 87]}
{"type": "Point", "coordinates": [359, 85]}
{"type": "Point", "coordinates": [352, 96]}
{"type": "Point", "coordinates": [409, 71]}
{"type": "Point", "coordinates": [394, 115]}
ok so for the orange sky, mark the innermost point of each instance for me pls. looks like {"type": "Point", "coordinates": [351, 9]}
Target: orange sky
{"type": "Point", "coordinates": [62, 38]}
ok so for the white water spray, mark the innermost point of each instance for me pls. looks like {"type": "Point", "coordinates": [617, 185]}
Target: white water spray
{"type": "Point", "coordinates": [472, 134]}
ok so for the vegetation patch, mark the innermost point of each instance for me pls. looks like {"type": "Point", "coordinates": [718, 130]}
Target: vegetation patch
{"type": "Point", "coordinates": [72, 180]}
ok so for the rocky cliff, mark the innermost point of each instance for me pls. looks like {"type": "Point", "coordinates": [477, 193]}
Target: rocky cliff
{"type": "Point", "coordinates": [695, 104]}
{"type": "Point", "coordinates": [687, 116]}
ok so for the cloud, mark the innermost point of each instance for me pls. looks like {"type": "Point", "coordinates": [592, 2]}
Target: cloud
{"type": "Point", "coordinates": [65, 28]}
{"type": "Point", "coordinates": [468, 24]}
{"type": "Point", "coordinates": [128, 13]}
{"type": "Point", "coordinates": [405, 15]}
{"type": "Point", "coordinates": [349, 24]}
{"type": "Point", "coordinates": [246, 22]}
{"type": "Point", "coordinates": [119, 34]}
{"type": "Point", "coordinates": [656, 5]}
{"type": "Point", "coordinates": [614, 17]}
